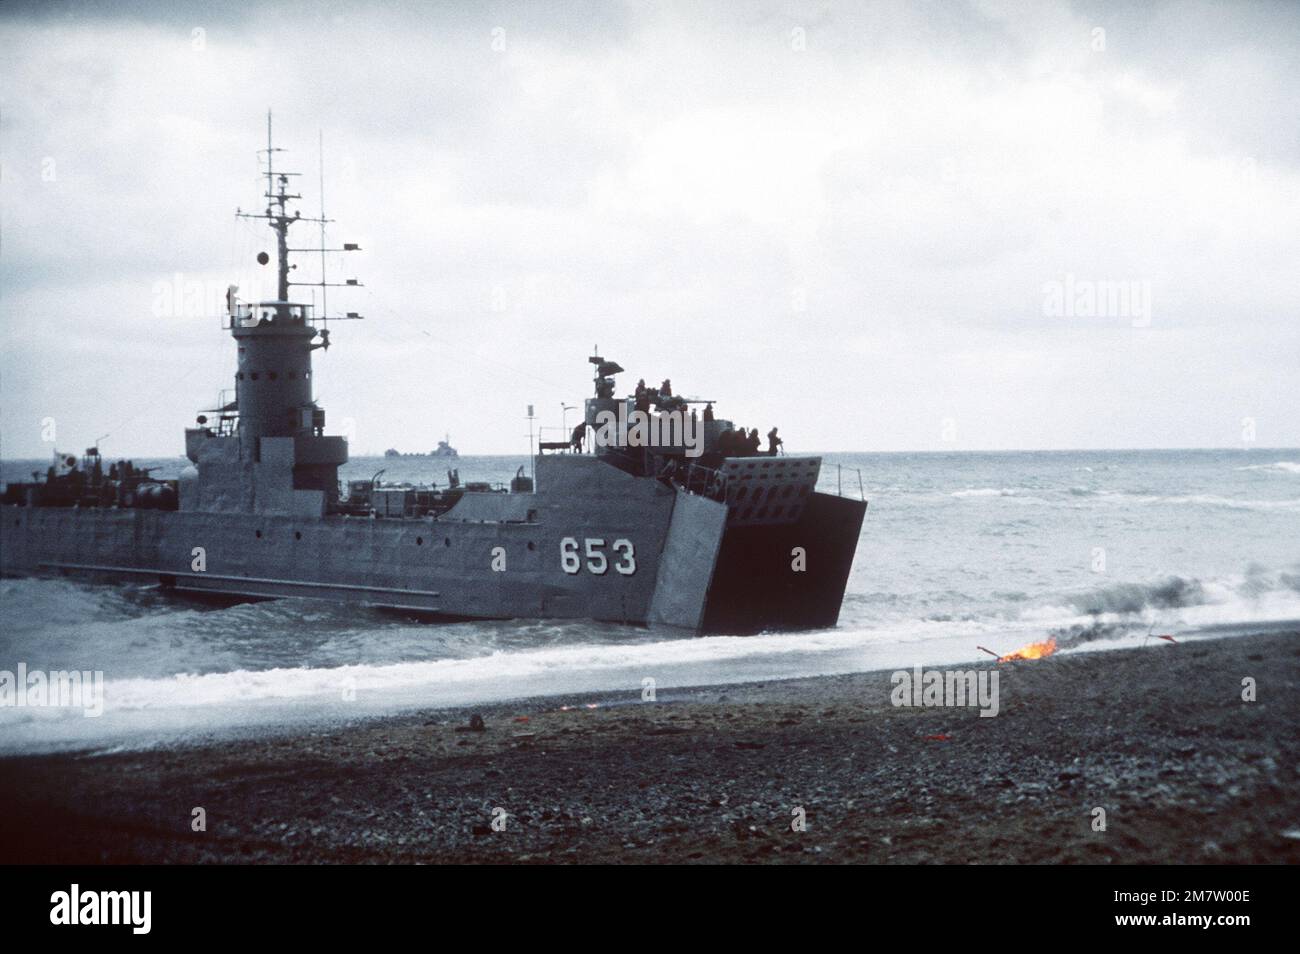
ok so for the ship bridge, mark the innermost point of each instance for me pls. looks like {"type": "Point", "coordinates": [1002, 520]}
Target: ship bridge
{"type": "Point", "coordinates": [270, 451]}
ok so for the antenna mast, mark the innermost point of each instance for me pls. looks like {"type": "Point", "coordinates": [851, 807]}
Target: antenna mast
{"type": "Point", "coordinates": [324, 289]}
{"type": "Point", "coordinates": [277, 215]}
{"type": "Point", "coordinates": [279, 220]}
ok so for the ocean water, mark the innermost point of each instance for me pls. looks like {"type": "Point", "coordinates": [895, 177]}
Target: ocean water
{"type": "Point", "coordinates": [958, 551]}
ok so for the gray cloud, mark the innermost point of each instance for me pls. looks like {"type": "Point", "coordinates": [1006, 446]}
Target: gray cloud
{"type": "Point", "coordinates": [840, 218]}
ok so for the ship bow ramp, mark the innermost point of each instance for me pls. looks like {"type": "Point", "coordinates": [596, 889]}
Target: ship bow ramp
{"type": "Point", "coordinates": [763, 551]}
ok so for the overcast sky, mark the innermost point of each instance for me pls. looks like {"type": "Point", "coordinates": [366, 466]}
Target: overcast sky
{"type": "Point", "coordinates": [879, 226]}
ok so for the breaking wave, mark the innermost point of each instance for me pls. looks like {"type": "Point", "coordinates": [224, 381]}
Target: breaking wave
{"type": "Point", "coordinates": [1213, 500]}
{"type": "Point", "coordinates": [1280, 467]}
{"type": "Point", "coordinates": [1137, 597]}
{"type": "Point", "coordinates": [1176, 604]}
{"type": "Point", "coordinates": [336, 687]}
{"type": "Point", "coordinates": [1088, 495]}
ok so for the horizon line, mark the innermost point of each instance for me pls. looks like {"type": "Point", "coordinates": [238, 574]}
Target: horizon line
{"type": "Point", "coordinates": [936, 451]}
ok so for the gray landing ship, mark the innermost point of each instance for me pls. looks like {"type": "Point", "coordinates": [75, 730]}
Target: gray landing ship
{"type": "Point", "coordinates": [663, 519]}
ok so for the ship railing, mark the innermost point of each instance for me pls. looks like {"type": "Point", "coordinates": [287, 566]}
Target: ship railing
{"type": "Point", "coordinates": [839, 482]}
{"type": "Point", "coordinates": [248, 314]}
{"type": "Point", "coordinates": [697, 479]}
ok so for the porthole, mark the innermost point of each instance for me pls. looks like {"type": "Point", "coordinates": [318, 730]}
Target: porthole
{"type": "Point", "coordinates": [419, 541]}
{"type": "Point", "coordinates": [240, 375]}
{"type": "Point", "coordinates": [258, 534]}
{"type": "Point", "coordinates": [532, 545]}
{"type": "Point", "coordinates": [446, 541]}
{"type": "Point", "coordinates": [272, 375]}
{"type": "Point", "coordinates": [254, 375]}
{"type": "Point", "coordinates": [297, 534]}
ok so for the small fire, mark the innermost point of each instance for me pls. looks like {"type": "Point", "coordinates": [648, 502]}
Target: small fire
{"type": "Point", "coordinates": [1032, 651]}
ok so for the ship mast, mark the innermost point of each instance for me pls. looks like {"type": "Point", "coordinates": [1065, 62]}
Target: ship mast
{"type": "Point", "coordinates": [279, 221]}
{"type": "Point", "coordinates": [279, 218]}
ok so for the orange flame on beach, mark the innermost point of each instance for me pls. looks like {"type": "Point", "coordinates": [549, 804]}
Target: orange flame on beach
{"type": "Point", "coordinates": [1032, 651]}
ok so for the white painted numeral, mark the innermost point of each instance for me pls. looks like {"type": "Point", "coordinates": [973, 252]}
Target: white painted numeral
{"type": "Point", "coordinates": [597, 562]}
{"type": "Point", "coordinates": [569, 555]}
{"type": "Point", "coordinates": [628, 566]}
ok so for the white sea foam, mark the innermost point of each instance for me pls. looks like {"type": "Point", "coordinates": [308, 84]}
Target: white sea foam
{"type": "Point", "coordinates": [146, 711]}
{"type": "Point", "coordinates": [1118, 497]}
{"type": "Point", "coordinates": [1280, 467]}
{"type": "Point", "coordinates": [1233, 503]}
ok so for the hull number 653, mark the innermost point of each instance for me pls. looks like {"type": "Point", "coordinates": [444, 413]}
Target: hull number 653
{"type": "Point", "coordinates": [623, 558]}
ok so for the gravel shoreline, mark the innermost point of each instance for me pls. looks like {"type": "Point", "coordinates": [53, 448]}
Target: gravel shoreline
{"type": "Point", "coordinates": [1159, 737]}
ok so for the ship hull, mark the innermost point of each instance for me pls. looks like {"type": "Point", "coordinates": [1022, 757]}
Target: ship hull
{"type": "Point", "coordinates": [467, 570]}
{"type": "Point", "coordinates": [611, 548]}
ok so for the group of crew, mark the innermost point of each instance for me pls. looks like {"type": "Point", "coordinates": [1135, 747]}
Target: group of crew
{"type": "Point", "coordinates": [660, 398]}
{"type": "Point", "coordinates": [123, 470]}
{"type": "Point", "coordinates": [741, 443]}
{"type": "Point", "coordinates": [732, 442]}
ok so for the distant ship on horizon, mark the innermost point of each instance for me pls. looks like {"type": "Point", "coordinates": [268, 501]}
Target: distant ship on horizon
{"type": "Point", "coordinates": [443, 450]}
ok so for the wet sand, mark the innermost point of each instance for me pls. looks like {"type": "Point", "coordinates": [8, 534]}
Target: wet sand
{"type": "Point", "coordinates": [1159, 737]}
